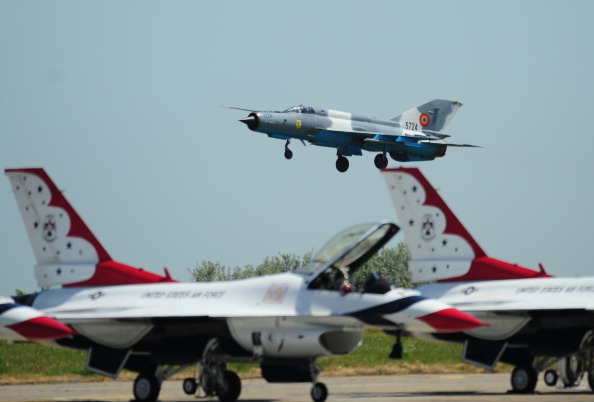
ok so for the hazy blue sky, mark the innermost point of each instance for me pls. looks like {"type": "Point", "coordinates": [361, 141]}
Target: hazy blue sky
{"type": "Point", "coordinates": [121, 103]}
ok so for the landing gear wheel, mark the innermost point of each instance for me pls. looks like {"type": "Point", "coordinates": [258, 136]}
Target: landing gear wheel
{"type": "Point", "coordinates": [381, 161]}
{"type": "Point", "coordinates": [190, 386]}
{"type": "Point", "coordinates": [342, 164]}
{"type": "Point", "coordinates": [146, 388]}
{"type": "Point", "coordinates": [523, 380]}
{"type": "Point", "coordinates": [319, 392]}
{"type": "Point", "coordinates": [551, 377]}
{"type": "Point", "coordinates": [573, 371]}
{"type": "Point", "coordinates": [232, 387]}
{"type": "Point", "coordinates": [288, 153]}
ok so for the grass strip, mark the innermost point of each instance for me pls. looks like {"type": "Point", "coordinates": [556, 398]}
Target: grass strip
{"type": "Point", "coordinates": [35, 363]}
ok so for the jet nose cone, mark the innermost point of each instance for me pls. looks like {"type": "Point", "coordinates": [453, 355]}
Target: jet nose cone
{"type": "Point", "coordinates": [452, 320]}
{"type": "Point", "coordinates": [248, 120]}
{"type": "Point", "coordinates": [251, 121]}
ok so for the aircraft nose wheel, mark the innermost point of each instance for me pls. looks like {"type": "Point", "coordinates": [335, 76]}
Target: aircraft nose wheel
{"type": "Point", "coordinates": [319, 392]}
{"type": "Point", "coordinates": [190, 386]}
{"type": "Point", "coordinates": [288, 152]}
{"type": "Point", "coordinates": [551, 377]}
{"type": "Point", "coordinates": [342, 164]}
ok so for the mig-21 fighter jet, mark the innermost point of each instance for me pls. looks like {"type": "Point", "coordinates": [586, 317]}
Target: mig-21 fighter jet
{"type": "Point", "coordinates": [415, 135]}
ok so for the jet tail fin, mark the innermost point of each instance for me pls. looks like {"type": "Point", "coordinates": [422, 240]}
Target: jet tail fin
{"type": "Point", "coordinates": [66, 250]}
{"type": "Point", "coordinates": [440, 246]}
{"type": "Point", "coordinates": [431, 116]}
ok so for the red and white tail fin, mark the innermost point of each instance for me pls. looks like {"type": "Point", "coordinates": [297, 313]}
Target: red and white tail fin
{"type": "Point", "coordinates": [66, 250]}
{"type": "Point", "coordinates": [440, 246]}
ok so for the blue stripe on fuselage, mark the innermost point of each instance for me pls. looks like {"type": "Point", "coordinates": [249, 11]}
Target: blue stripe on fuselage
{"type": "Point", "coordinates": [375, 315]}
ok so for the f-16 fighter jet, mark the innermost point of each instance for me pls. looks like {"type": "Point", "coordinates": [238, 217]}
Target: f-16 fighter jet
{"type": "Point", "coordinates": [535, 320]}
{"type": "Point", "coordinates": [415, 135]}
{"type": "Point", "coordinates": [126, 317]}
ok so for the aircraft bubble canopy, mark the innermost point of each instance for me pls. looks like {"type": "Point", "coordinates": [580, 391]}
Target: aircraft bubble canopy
{"type": "Point", "coordinates": [350, 247]}
{"type": "Point", "coordinates": [301, 109]}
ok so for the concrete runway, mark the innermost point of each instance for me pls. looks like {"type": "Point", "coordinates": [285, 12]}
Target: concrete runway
{"type": "Point", "coordinates": [402, 388]}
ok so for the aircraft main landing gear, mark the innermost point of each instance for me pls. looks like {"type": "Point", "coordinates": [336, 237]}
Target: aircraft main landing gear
{"type": "Point", "coordinates": [342, 164]}
{"type": "Point", "coordinates": [381, 161]}
{"type": "Point", "coordinates": [214, 378]}
{"type": "Point", "coordinates": [222, 383]}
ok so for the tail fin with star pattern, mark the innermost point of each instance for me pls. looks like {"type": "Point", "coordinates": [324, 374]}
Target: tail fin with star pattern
{"type": "Point", "coordinates": [440, 246]}
{"type": "Point", "coordinates": [66, 250]}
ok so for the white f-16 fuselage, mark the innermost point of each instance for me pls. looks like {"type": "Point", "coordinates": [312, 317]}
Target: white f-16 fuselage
{"type": "Point", "coordinates": [126, 317]}
{"type": "Point", "coordinates": [272, 316]}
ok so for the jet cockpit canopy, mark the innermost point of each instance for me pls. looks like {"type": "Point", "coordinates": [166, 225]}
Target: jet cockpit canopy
{"type": "Point", "coordinates": [300, 109]}
{"type": "Point", "coordinates": [349, 249]}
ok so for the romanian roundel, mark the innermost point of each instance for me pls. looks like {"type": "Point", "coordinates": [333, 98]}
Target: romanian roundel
{"type": "Point", "coordinates": [424, 119]}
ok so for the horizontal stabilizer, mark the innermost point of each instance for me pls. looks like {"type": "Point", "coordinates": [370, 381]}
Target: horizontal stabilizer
{"type": "Point", "coordinates": [463, 145]}
{"type": "Point", "coordinates": [450, 144]}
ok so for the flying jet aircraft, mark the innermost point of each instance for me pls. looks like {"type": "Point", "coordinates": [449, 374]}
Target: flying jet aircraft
{"type": "Point", "coordinates": [126, 317]}
{"type": "Point", "coordinates": [535, 319]}
{"type": "Point", "coordinates": [415, 135]}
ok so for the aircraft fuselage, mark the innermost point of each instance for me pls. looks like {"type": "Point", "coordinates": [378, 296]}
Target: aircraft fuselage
{"type": "Point", "coordinates": [289, 319]}
{"type": "Point", "coordinates": [536, 316]}
{"type": "Point", "coordinates": [349, 133]}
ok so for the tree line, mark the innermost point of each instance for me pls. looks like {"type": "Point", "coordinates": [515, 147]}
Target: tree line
{"type": "Point", "coordinates": [390, 262]}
